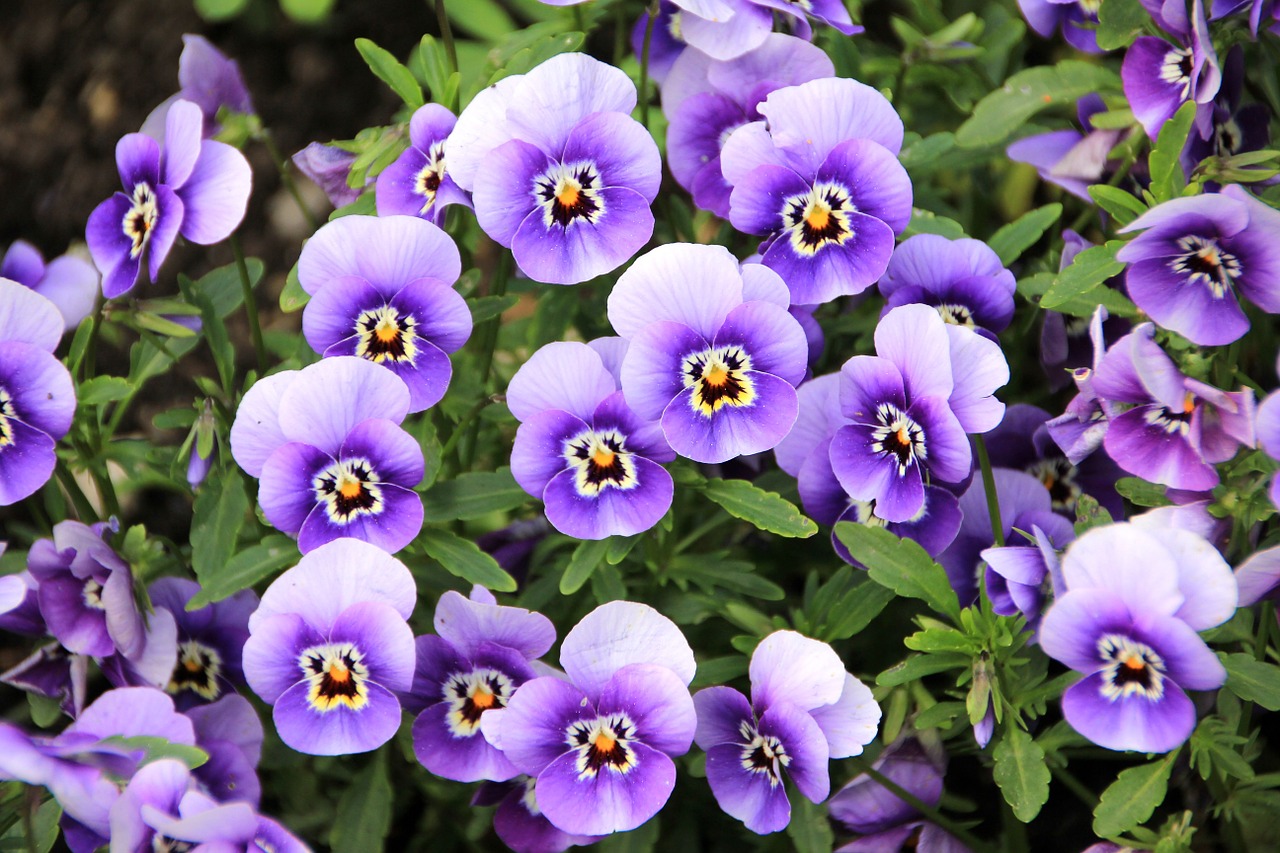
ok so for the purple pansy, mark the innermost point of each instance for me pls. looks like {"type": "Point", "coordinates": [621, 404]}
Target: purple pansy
{"type": "Point", "coordinates": [821, 181]}
{"type": "Point", "coordinates": [567, 176]}
{"type": "Point", "coordinates": [805, 709]}
{"type": "Point", "coordinates": [600, 741]}
{"type": "Point", "coordinates": [518, 821]}
{"type": "Point", "coordinates": [329, 454]}
{"type": "Point", "coordinates": [666, 44]}
{"type": "Point", "coordinates": [209, 641]}
{"type": "Point", "coordinates": [963, 279]}
{"type": "Point", "coordinates": [705, 100]}
{"type": "Point", "coordinates": [70, 283]}
{"type": "Point", "coordinates": [908, 408]}
{"type": "Point", "coordinates": [1135, 599]}
{"type": "Point", "coordinates": [37, 397]}
{"type": "Point", "coordinates": [725, 29]}
{"type": "Point", "coordinates": [330, 648]}
{"type": "Point", "coordinates": [230, 733]}
{"type": "Point", "coordinates": [594, 462]}
{"type": "Point", "coordinates": [1020, 576]}
{"type": "Point", "coordinates": [712, 350]}
{"type": "Point", "coordinates": [327, 166]}
{"type": "Point", "coordinates": [1192, 257]}
{"type": "Point", "coordinates": [54, 672]}
{"type": "Point", "coordinates": [478, 658]}
{"type": "Point", "coordinates": [210, 80]}
{"type": "Point", "coordinates": [418, 182]}
{"type": "Point", "coordinates": [1068, 158]}
{"type": "Point", "coordinates": [381, 290]}
{"type": "Point", "coordinates": [1160, 76]}
{"type": "Point", "coordinates": [1078, 20]}
{"type": "Point", "coordinates": [1268, 434]}
{"type": "Point", "coordinates": [1173, 429]}
{"type": "Point", "coordinates": [188, 185]}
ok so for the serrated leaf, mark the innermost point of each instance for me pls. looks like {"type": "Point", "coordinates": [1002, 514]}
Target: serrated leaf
{"type": "Point", "coordinates": [102, 389]}
{"type": "Point", "coordinates": [582, 564]}
{"type": "Point", "coordinates": [1165, 159]}
{"type": "Point", "coordinates": [1087, 270]}
{"type": "Point", "coordinates": [1015, 238]}
{"type": "Point", "coordinates": [1120, 22]}
{"type": "Point", "coordinates": [1026, 93]}
{"type": "Point", "coordinates": [766, 510]}
{"type": "Point", "coordinates": [463, 558]}
{"type": "Point", "coordinates": [1021, 773]}
{"type": "Point", "coordinates": [216, 520]}
{"type": "Point", "coordinates": [473, 495]}
{"type": "Point", "coordinates": [389, 70]}
{"type": "Point", "coordinates": [487, 307]}
{"type": "Point", "coordinates": [363, 816]}
{"type": "Point", "coordinates": [1253, 680]}
{"type": "Point", "coordinates": [245, 569]}
{"type": "Point", "coordinates": [1141, 492]}
{"type": "Point", "coordinates": [1132, 798]}
{"type": "Point", "coordinates": [900, 564]}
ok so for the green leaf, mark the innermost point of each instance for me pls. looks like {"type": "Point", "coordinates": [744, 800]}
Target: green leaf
{"type": "Point", "coordinates": [44, 830]}
{"type": "Point", "coordinates": [918, 666]}
{"type": "Point", "coordinates": [643, 839]}
{"type": "Point", "coordinates": [155, 748]}
{"type": "Point", "coordinates": [1090, 514]}
{"type": "Point", "coordinates": [1002, 112]}
{"type": "Point", "coordinates": [901, 565]}
{"type": "Point", "coordinates": [537, 53]}
{"type": "Point", "coordinates": [430, 64]}
{"type": "Point", "coordinates": [102, 389]}
{"type": "Point", "coordinates": [810, 831]}
{"type": "Point", "coordinates": [216, 520]}
{"type": "Point", "coordinates": [307, 11]}
{"type": "Point", "coordinates": [719, 670]}
{"type": "Point", "coordinates": [363, 817]}
{"type": "Point", "coordinates": [766, 510]}
{"type": "Point", "coordinates": [711, 571]}
{"type": "Point", "coordinates": [220, 10]}
{"type": "Point", "coordinates": [1253, 680]}
{"type": "Point", "coordinates": [1018, 236]}
{"type": "Point", "coordinates": [1141, 492]}
{"type": "Point", "coordinates": [389, 70]}
{"type": "Point", "coordinates": [1087, 270]}
{"type": "Point", "coordinates": [582, 564]}
{"type": "Point", "coordinates": [927, 222]}
{"type": "Point", "coordinates": [215, 332]}
{"type": "Point", "coordinates": [1122, 206]}
{"type": "Point", "coordinates": [1120, 22]}
{"type": "Point", "coordinates": [222, 286]}
{"type": "Point", "coordinates": [607, 585]}
{"type": "Point", "coordinates": [1131, 799]}
{"type": "Point", "coordinates": [463, 558]}
{"type": "Point", "coordinates": [293, 297]}
{"type": "Point", "coordinates": [1165, 160]}
{"type": "Point", "coordinates": [487, 307]}
{"type": "Point", "coordinates": [482, 18]}
{"type": "Point", "coordinates": [44, 710]}
{"type": "Point", "coordinates": [245, 569]}
{"type": "Point", "coordinates": [473, 495]}
{"type": "Point", "coordinates": [1021, 773]}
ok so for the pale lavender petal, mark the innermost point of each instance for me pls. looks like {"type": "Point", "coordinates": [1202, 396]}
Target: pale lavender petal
{"type": "Point", "coordinates": [256, 432]}
{"type": "Point", "coordinates": [914, 339]}
{"type": "Point", "coordinates": [748, 148]}
{"type": "Point", "coordinates": [657, 701]}
{"type": "Point", "coordinates": [608, 801]}
{"type": "Point", "coordinates": [387, 251]}
{"type": "Point", "coordinates": [732, 430]}
{"type": "Point", "coordinates": [327, 399]}
{"type": "Point", "coordinates": [790, 667]}
{"type": "Point", "coordinates": [564, 375]}
{"type": "Point", "coordinates": [621, 633]}
{"type": "Point", "coordinates": [614, 512]}
{"type": "Point", "coordinates": [726, 38]}
{"type": "Point", "coordinates": [183, 132]}
{"type": "Point", "coordinates": [848, 110]}
{"type": "Point", "coordinates": [559, 93]}
{"type": "Point", "coordinates": [216, 195]}
{"type": "Point", "coordinates": [27, 317]}
{"type": "Point", "coordinates": [533, 726]}
{"type": "Point", "coordinates": [651, 370]}
{"type": "Point", "coordinates": [979, 368]}
{"type": "Point", "coordinates": [819, 403]}
{"type": "Point", "coordinates": [340, 731]}
{"type": "Point", "coordinates": [1132, 722]}
{"type": "Point", "coordinates": [71, 284]}
{"type": "Point", "coordinates": [557, 255]}
{"type": "Point", "coordinates": [481, 127]}
{"type": "Point", "coordinates": [656, 287]}
{"type": "Point", "coordinates": [1132, 563]}
{"type": "Point", "coordinates": [466, 624]}
{"type": "Point", "coordinates": [1258, 576]}
{"type": "Point", "coordinates": [1152, 453]}
{"type": "Point", "coordinates": [851, 722]}
{"type": "Point", "coordinates": [621, 149]}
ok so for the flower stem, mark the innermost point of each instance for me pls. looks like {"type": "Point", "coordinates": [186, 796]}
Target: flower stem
{"type": "Point", "coordinates": [250, 303]}
{"type": "Point", "coordinates": [488, 343]}
{"type": "Point", "coordinates": [450, 50]}
{"type": "Point", "coordinates": [286, 178]}
{"type": "Point", "coordinates": [90, 359]}
{"type": "Point", "coordinates": [930, 813]}
{"type": "Point", "coordinates": [644, 64]}
{"type": "Point", "coordinates": [989, 486]}
{"type": "Point", "coordinates": [84, 508]}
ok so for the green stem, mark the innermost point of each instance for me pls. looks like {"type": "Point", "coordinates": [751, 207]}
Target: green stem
{"type": "Point", "coordinates": [84, 508]}
{"type": "Point", "coordinates": [250, 303]}
{"type": "Point", "coordinates": [989, 485]}
{"type": "Point", "coordinates": [286, 178]}
{"type": "Point", "coordinates": [1266, 617]}
{"type": "Point", "coordinates": [1114, 181]}
{"type": "Point", "coordinates": [450, 50]}
{"type": "Point", "coordinates": [488, 343]}
{"type": "Point", "coordinates": [1075, 786]}
{"type": "Point", "coordinates": [578, 20]}
{"type": "Point", "coordinates": [90, 360]}
{"type": "Point", "coordinates": [644, 64]}
{"type": "Point", "coordinates": [963, 835]}
{"type": "Point", "coordinates": [619, 32]}
{"type": "Point", "coordinates": [460, 426]}
{"type": "Point", "coordinates": [31, 802]}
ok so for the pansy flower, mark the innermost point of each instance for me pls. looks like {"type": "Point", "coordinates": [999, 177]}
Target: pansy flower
{"type": "Point", "coordinates": [328, 167]}
{"type": "Point", "coordinates": [381, 290]}
{"type": "Point", "coordinates": [804, 710]}
{"type": "Point", "coordinates": [329, 454]}
{"type": "Point", "coordinates": [329, 648]}
{"type": "Point", "coordinates": [230, 733]}
{"type": "Point", "coordinates": [725, 29]}
{"type": "Point", "coordinates": [1068, 158]}
{"type": "Point", "coordinates": [1135, 599]}
{"type": "Point", "coordinates": [1160, 76]}
{"type": "Point", "coordinates": [37, 398]}
{"type": "Point", "coordinates": [1078, 20]}
{"type": "Point", "coordinates": [560, 172]}
{"type": "Point", "coordinates": [600, 741]}
{"type": "Point", "coordinates": [666, 43]}
{"type": "Point", "coordinates": [1195, 254]}
{"type": "Point", "coordinates": [713, 352]}
{"type": "Point", "coordinates": [705, 100]}
{"type": "Point", "coordinates": [963, 279]}
{"type": "Point", "coordinates": [188, 185]}
{"type": "Point", "coordinates": [418, 182]}
{"type": "Point", "coordinates": [519, 822]}
{"type": "Point", "coordinates": [209, 641]}
{"type": "Point", "coordinates": [70, 283]}
{"type": "Point", "coordinates": [478, 658]}
{"type": "Point", "coordinates": [908, 408]}
{"type": "Point", "coordinates": [821, 181]}
{"type": "Point", "coordinates": [594, 462]}
{"type": "Point", "coordinates": [208, 79]}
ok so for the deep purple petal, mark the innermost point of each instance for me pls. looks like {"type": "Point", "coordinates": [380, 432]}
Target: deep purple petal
{"type": "Point", "coordinates": [1132, 722]}
{"type": "Point", "coordinates": [609, 801]}
{"type": "Point", "coordinates": [805, 743]}
{"type": "Point", "coordinates": [620, 148]}
{"type": "Point", "coordinates": [721, 713]}
{"type": "Point", "coordinates": [462, 759]}
{"type": "Point", "coordinates": [270, 656]}
{"type": "Point", "coordinates": [285, 491]}
{"type": "Point", "coordinates": [1153, 453]}
{"type": "Point", "coordinates": [770, 336]}
{"type": "Point", "coordinates": [657, 701]}
{"type": "Point", "coordinates": [558, 255]}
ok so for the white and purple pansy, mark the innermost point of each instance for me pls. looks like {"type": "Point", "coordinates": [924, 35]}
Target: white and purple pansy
{"type": "Point", "coordinates": [805, 709]}
{"type": "Point", "coordinates": [381, 290]}
{"type": "Point", "coordinates": [70, 283]}
{"type": "Point", "coordinates": [724, 29]}
{"type": "Point", "coordinates": [600, 741]}
{"type": "Point", "coordinates": [330, 648]}
{"type": "Point", "coordinates": [593, 461]}
{"type": "Point", "coordinates": [418, 183]}
{"type": "Point", "coordinates": [480, 655]}
{"type": "Point", "coordinates": [330, 456]}
{"type": "Point", "coordinates": [713, 352]}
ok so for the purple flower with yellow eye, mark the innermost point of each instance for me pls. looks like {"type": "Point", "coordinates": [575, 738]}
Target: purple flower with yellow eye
{"type": "Point", "coordinates": [705, 100]}
{"type": "Point", "coordinates": [70, 283]}
{"type": "Point", "coordinates": [418, 182]}
{"type": "Point", "coordinates": [600, 741]}
{"type": "Point", "coordinates": [331, 459]}
{"type": "Point", "coordinates": [725, 29]}
{"type": "Point", "coordinates": [188, 185]}
{"type": "Point", "coordinates": [381, 290]}
{"type": "Point", "coordinates": [1160, 76]}
{"type": "Point", "coordinates": [559, 171]}
{"type": "Point", "coordinates": [592, 460]}
{"type": "Point", "coordinates": [964, 279]}
{"type": "Point", "coordinates": [209, 641]}
{"type": "Point", "coordinates": [804, 710]}
{"type": "Point", "coordinates": [37, 397]}
{"type": "Point", "coordinates": [821, 181]}
{"type": "Point", "coordinates": [479, 657]}
{"type": "Point", "coordinates": [713, 353]}
{"type": "Point", "coordinates": [330, 649]}
{"type": "Point", "coordinates": [1135, 600]}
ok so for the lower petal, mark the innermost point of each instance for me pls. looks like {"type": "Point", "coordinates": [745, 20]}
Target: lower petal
{"type": "Point", "coordinates": [610, 800]}
{"type": "Point", "coordinates": [341, 731]}
{"type": "Point", "coordinates": [26, 462]}
{"type": "Point", "coordinates": [462, 759]}
{"type": "Point", "coordinates": [732, 431]}
{"type": "Point", "coordinates": [614, 512]}
{"type": "Point", "coordinates": [284, 488]}
{"type": "Point", "coordinates": [392, 527]}
{"type": "Point", "coordinates": [756, 799]}
{"type": "Point", "coordinates": [1132, 722]}
{"type": "Point", "coordinates": [1152, 453]}
{"type": "Point", "coordinates": [569, 255]}
{"type": "Point", "coordinates": [834, 270]}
